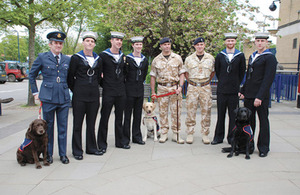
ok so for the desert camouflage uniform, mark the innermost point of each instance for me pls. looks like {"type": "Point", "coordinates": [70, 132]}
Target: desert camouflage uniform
{"type": "Point", "coordinates": [167, 71]}
{"type": "Point", "coordinates": [199, 72]}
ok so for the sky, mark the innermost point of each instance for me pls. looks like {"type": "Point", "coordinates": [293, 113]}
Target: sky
{"type": "Point", "coordinates": [262, 4]}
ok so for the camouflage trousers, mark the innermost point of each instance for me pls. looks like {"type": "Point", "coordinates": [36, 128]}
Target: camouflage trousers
{"type": "Point", "coordinates": [203, 96]}
{"type": "Point", "coordinates": [164, 103]}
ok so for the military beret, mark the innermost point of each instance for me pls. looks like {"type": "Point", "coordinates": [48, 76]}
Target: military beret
{"type": "Point", "coordinates": [261, 35]}
{"type": "Point", "coordinates": [118, 35]}
{"type": "Point", "coordinates": [136, 39]}
{"type": "Point", "coordinates": [165, 40]}
{"type": "Point", "coordinates": [230, 35]}
{"type": "Point", "coordinates": [199, 40]}
{"type": "Point", "coordinates": [89, 34]}
{"type": "Point", "coordinates": [56, 36]}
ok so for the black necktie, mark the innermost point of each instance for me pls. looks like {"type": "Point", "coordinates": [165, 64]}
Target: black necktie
{"type": "Point", "coordinates": [57, 58]}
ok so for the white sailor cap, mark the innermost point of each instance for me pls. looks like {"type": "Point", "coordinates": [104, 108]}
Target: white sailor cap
{"type": "Point", "coordinates": [261, 35]}
{"type": "Point", "coordinates": [118, 35]}
{"type": "Point", "coordinates": [136, 39]}
{"type": "Point", "coordinates": [89, 34]}
{"type": "Point", "coordinates": [230, 35]}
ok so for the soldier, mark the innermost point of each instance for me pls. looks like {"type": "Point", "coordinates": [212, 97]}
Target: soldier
{"type": "Point", "coordinates": [54, 92]}
{"type": "Point", "coordinates": [199, 69]}
{"type": "Point", "coordinates": [230, 69]}
{"type": "Point", "coordinates": [137, 69]}
{"type": "Point", "coordinates": [167, 70]}
{"type": "Point", "coordinates": [256, 90]}
{"type": "Point", "coordinates": [114, 94]}
{"type": "Point", "coordinates": [83, 80]}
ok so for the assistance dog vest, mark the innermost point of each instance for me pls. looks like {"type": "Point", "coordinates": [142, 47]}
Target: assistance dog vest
{"type": "Point", "coordinates": [246, 129]}
{"type": "Point", "coordinates": [155, 119]}
{"type": "Point", "coordinates": [25, 143]}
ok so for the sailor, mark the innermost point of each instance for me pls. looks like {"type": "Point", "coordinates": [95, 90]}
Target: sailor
{"type": "Point", "coordinates": [256, 90]}
{"type": "Point", "coordinates": [83, 80]}
{"type": "Point", "coordinates": [114, 94]}
{"type": "Point", "coordinates": [137, 68]}
{"type": "Point", "coordinates": [230, 66]}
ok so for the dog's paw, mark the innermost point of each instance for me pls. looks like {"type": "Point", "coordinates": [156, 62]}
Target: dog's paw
{"type": "Point", "coordinates": [155, 139]}
{"type": "Point", "coordinates": [46, 163]}
{"type": "Point", "coordinates": [23, 164]}
{"type": "Point", "coordinates": [145, 139]}
{"type": "Point", "coordinates": [247, 157]}
{"type": "Point", "coordinates": [229, 155]}
{"type": "Point", "coordinates": [38, 166]}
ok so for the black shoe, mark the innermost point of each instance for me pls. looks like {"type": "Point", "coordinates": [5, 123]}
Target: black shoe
{"type": "Point", "coordinates": [214, 142]}
{"type": "Point", "coordinates": [141, 142]}
{"type": "Point", "coordinates": [103, 150]}
{"type": "Point", "coordinates": [78, 157]}
{"type": "Point", "coordinates": [97, 153]}
{"type": "Point", "coordinates": [50, 159]}
{"type": "Point", "coordinates": [263, 154]}
{"type": "Point", "coordinates": [64, 159]}
{"type": "Point", "coordinates": [124, 146]}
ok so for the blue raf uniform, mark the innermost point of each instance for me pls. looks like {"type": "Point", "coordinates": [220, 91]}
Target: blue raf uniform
{"type": "Point", "coordinates": [54, 93]}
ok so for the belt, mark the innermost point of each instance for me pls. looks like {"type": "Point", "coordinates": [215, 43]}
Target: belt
{"type": "Point", "coordinates": [168, 84]}
{"type": "Point", "coordinates": [199, 84]}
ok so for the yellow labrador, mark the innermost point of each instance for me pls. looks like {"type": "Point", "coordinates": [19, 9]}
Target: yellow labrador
{"type": "Point", "coordinates": [150, 121]}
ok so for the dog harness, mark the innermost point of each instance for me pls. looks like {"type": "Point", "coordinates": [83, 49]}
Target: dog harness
{"type": "Point", "coordinates": [25, 143]}
{"type": "Point", "coordinates": [155, 119]}
{"type": "Point", "coordinates": [247, 129]}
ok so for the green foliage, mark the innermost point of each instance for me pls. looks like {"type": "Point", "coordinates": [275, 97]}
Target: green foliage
{"type": "Point", "coordinates": [182, 21]}
{"type": "Point", "coordinates": [9, 48]}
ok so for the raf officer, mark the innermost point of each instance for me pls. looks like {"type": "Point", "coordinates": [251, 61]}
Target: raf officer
{"type": "Point", "coordinates": [167, 70]}
{"type": "Point", "coordinates": [114, 93]}
{"type": "Point", "coordinates": [256, 90]}
{"type": "Point", "coordinates": [230, 70]}
{"type": "Point", "coordinates": [199, 69]}
{"type": "Point", "coordinates": [137, 68]}
{"type": "Point", "coordinates": [54, 92]}
{"type": "Point", "coordinates": [83, 80]}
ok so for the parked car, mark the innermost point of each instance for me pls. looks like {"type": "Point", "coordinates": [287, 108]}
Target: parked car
{"type": "Point", "coordinates": [3, 76]}
{"type": "Point", "coordinates": [14, 71]}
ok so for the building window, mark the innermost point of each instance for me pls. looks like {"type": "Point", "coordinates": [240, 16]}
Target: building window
{"type": "Point", "coordinates": [295, 43]}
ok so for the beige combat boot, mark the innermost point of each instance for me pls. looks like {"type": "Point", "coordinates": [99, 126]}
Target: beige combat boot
{"type": "Point", "coordinates": [163, 138]}
{"type": "Point", "coordinates": [179, 141]}
{"type": "Point", "coordinates": [189, 139]}
{"type": "Point", "coordinates": [205, 139]}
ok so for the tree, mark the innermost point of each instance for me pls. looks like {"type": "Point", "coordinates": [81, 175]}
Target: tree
{"type": "Point", "coordinates": [30, 14]}
{"type": "Point", "coordinates": [9, 47]}
{"type": "Point", "coordinates": [181, 20]}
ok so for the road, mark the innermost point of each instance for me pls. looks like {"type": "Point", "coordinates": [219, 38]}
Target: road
{"type": "Point", "coordinates": [15, 117]}
{"type": "Point", "coordinates": [16, 90]}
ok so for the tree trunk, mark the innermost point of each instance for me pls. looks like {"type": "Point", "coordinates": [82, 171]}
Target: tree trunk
{"type": "Point", "coordinates": [165, 28]}
{"type": "Point", "coordinates": [31, 29]}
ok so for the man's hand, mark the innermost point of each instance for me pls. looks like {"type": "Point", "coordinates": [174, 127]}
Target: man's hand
{"type": "Point", "coordinates": [153, 96]}
{"type": "Point", "coordinates": [178, 90]}
{"type": "Point", "coordinates": [257, 102]}
{"type": "Point", "coordinates": [36, 97]}
{"type": "Point", "coordinates": [241, 96]}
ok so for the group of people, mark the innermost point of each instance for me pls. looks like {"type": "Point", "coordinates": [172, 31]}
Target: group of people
{"type": "Point", "coordinates": [122, 79]}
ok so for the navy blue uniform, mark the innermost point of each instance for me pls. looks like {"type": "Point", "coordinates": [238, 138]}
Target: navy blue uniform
{"type": "Point", "coordinates": [113, 83]}
{"type": "Point", "coordinates": [135, 77]}
{"type": "Point", "coordinates": [54, 94]}
{"type": "Point", "coordinates": [260, 75]}
{"type": "Point", "coordinates": [230, 75]}
{"type": "Point", "coordinates": [83, 80]}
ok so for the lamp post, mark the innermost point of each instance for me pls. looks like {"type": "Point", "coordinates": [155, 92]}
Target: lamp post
{"type": "Point", "coordinates": [18, 45]}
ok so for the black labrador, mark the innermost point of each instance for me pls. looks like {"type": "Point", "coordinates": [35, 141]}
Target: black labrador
{"type": "Point", "coordinates": [241, 135]}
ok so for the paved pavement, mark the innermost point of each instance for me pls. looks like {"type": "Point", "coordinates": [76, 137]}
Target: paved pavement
{"type": "Point", "coordinates": [155, 168]}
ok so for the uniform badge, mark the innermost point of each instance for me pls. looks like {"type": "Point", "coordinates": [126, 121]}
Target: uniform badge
{"type": "Point", "coordinates": [58, 35]}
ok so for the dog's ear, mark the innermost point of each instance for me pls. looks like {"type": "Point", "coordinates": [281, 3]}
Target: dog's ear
{"type": "Point", "coordinates": [45, 125]}
{"type": "Point", "coordinates": [154, 106]}
{"type": "Point", "coordinates": [30, 126]}
{"type": "Point", "coordinates": [144, 105]}
{"type": "Point", "coordinates": [235, 111]}
{"type": "Point", "coordinates": [249, 112]}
